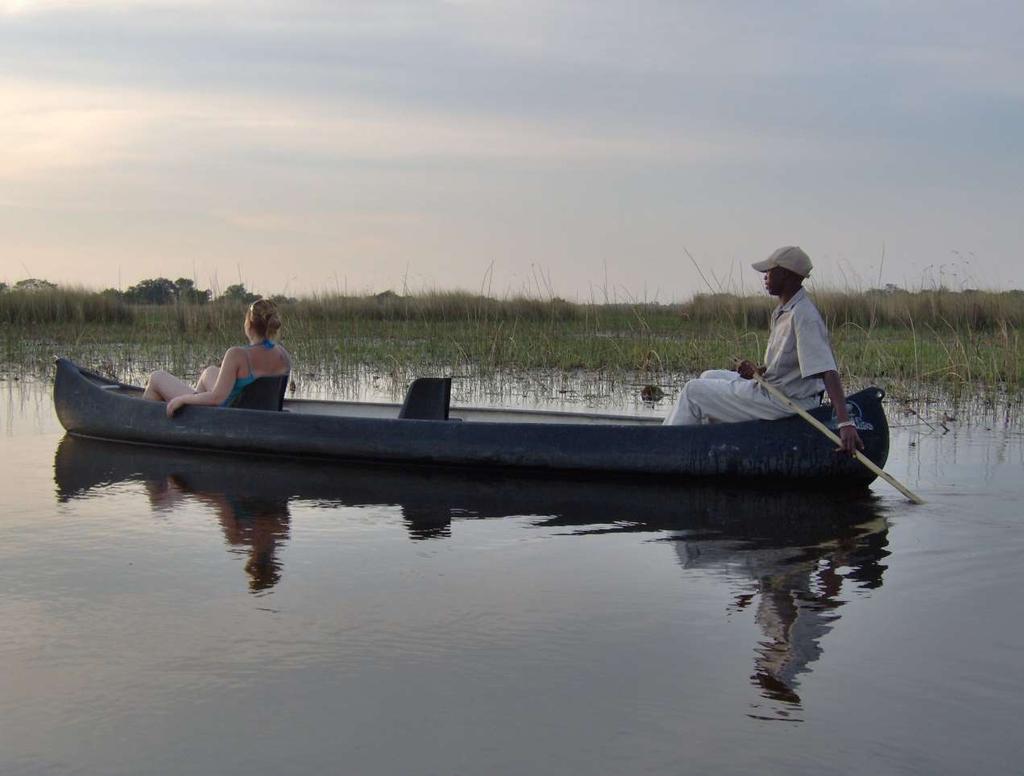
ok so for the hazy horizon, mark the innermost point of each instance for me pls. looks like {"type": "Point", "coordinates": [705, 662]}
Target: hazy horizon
{"type": "Point", "coordinates": [596, 295]}
{"type": "Point", "coordinates": [577, 149]}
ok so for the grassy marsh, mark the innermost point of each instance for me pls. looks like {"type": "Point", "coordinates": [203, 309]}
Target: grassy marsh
{"type": "Point", "coordinates": [955, 341]}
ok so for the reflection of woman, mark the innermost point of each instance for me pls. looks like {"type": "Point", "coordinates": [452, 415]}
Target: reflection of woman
{"type": "Point", "coordinates": [262, 357]}
{"type": "Point", "coordinates": [257, 524]}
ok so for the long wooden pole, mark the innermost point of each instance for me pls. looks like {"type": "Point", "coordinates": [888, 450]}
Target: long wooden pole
{"type": "Point", "coordinates": [835, 438]}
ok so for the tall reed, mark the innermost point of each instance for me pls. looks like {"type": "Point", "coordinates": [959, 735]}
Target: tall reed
{"type": "Point", "coordinates": [935, 336]}
{"type": "Point", "coordinates": [61, 305]}
{"type": "Point", "coordinates": [977, 310]}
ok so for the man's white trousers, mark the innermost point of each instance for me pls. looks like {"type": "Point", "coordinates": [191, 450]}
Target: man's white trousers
{"type": "Point", "coordinates": [722, 395]}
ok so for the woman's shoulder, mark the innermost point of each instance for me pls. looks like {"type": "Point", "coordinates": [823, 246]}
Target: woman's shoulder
{"type": "Point", "coordinates": [285, 355]}
{"type": "Point", "coordinates": [234, 353]}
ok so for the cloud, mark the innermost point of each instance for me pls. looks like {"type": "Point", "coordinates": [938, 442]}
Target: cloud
{"type": "Point", "coordinates": [448, 126]}
{"type": "Point", "coordinates": [29, 7]}
{"type": "Point", "coordinates": [46, 131]}
{"type": "Point", "coordinates": [49, 127]}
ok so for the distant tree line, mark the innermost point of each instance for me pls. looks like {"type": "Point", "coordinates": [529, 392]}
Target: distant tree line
{"type": "Point", "coordinates": [156, 291]}
{"type": "Point", "coordinates": [29, 284]}
{"type": "Point", "coordinates": [161, 291]}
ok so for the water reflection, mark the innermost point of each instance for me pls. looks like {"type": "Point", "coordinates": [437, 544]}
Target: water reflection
{"type": "Point", "coordinates": [796, 592]}
{"type": "Point", "coordinates": [253, 523]}
{"type": "Point", "coordinates": [791, 559]}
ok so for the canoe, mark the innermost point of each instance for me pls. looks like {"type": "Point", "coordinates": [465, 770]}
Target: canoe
{"type": "Point", "coordinates": [787, 452]}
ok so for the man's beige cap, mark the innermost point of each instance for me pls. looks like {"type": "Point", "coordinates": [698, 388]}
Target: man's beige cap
{"type": "Point", "coordinates": [788, 257]}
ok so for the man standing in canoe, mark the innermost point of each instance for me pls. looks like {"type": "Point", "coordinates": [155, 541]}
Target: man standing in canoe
{"type": "Point", "coordinates": [798, 361]}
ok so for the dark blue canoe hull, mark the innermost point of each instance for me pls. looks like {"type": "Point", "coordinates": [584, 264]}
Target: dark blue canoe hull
{"type": "Point", "coordinates": [786, 452]}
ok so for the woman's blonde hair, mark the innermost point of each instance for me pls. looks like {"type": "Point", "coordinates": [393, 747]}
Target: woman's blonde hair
{"type": "Point", "coordinates": [264, 318]}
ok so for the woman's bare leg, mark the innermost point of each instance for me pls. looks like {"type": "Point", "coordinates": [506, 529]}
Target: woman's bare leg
{"type": "Point", "coordinates": [163, 386]}
{"type": "Point", "coordinates": [208, 379]}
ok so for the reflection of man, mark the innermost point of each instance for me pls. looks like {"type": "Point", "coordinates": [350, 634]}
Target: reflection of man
{"type": "Point", "coordinates": [429, 521]}
{"type": "Point", "coordinates": [793, 617]}
{"type": "Point", "coordinates": [796, 595]}
{"type": "Point", "coordinates": [798, 361]}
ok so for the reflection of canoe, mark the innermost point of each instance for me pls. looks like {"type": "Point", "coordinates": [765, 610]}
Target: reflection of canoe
{"type": "Point", "coordinates": [431, 498]}
{"type": "Point", "coordinates": [786, 554]}
{"type": "Point", "coordinates": [783, 451]}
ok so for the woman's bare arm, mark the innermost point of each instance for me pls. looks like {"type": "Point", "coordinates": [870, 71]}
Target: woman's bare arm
{"type": "Point", "coordinates": [219, 393]}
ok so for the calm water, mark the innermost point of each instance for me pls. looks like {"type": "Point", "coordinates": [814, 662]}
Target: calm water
{"type": "Point", "coordinates": [167, 613]}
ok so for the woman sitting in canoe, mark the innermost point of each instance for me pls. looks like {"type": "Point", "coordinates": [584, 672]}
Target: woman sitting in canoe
{"type": "Point", "coordinates": [262, 357]}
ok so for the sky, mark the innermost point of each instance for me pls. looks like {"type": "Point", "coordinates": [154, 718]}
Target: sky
{"type": "Point", "coordinates": [636, 150]}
